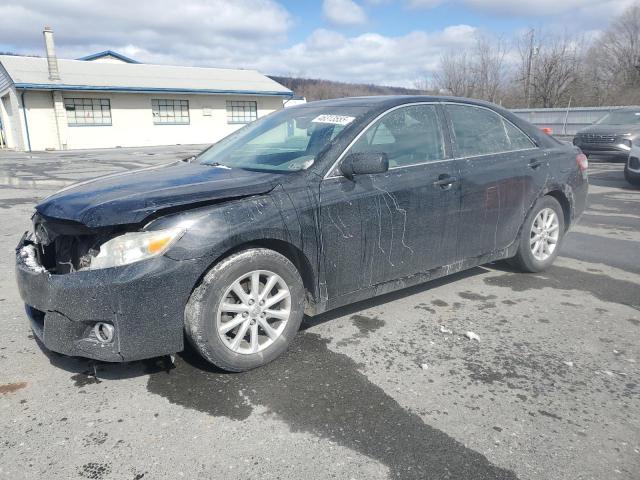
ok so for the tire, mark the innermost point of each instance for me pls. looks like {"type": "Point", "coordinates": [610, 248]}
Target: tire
{"type": "Point", "coordinates": [631, 177]}
{"type": "Point", "coordinates": [204, 321]}
{"type": "Point", "coordinates": [525, 259]}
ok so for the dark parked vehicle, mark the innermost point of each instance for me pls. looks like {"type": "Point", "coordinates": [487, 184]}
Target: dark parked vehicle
{"type": "Point", "coordinates": [308, 209]}
{"type": "Point", "coordinates": [613, 135]}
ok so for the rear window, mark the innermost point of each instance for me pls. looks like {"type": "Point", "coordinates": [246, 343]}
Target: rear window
{"type": "Point", "coordinates": [480, 131]}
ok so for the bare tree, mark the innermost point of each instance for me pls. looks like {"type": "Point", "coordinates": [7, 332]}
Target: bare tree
{"type": "Point", "coordinates": [455, 74]}
{"type": "Point", "coordinates": [526, 48]}
{"type": "Point", "coordinates": [551, 71]}
{"type": "Point", "coordinates": [488, 68]}
{"type": "Point", "coordinates": [616, 59]}
{"type": "Point", "coordinates": [425, 84]}
{"type": "Point", "coordinates": [554, 70]}
{"type": "Point", "coordinates": [476, 72]}
{"type": "Point", "coordinates": [621, 43]}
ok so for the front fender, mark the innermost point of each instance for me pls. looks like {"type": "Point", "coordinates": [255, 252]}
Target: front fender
{"type": "Point", "coordinates": [213, 230]}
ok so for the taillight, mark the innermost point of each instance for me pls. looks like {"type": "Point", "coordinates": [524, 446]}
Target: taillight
{"type": "Point", "coordinates": [547, 130]}
{"type": "Point", "coordinates": [582, 161]}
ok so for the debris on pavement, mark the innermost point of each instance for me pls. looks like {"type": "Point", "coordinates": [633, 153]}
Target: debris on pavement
{"type": "Point", "coordinates": [444, 329]}
{"type": "Point", "coordinates": [472, 336]}
{"type": "Point", "coordinates": [424, 366]}
{"type": "Point", "coordinates": [568, 364]}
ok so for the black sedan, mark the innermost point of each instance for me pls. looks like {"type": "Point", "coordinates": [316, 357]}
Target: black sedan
{"type": "Point", "coordinates": [305, 210]}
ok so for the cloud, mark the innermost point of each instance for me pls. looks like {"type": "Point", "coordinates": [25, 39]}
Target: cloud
{"type": "Point", "coordinates": [343, 12]}
{"type": "Point", "coordinates": [590, 9]}
{"type": "Point", "coordinates": [238, 34]}
{"type": "Point", "coordinates": [578, 8]}
{"type": "Point", "coordinates": [370, 57]}
{"type": "Point", "coordinates": [250, 34]}
{"type": "Point", "coordinates": [189, 31]}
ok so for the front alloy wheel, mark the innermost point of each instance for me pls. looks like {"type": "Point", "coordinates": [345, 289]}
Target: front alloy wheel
{"type": "Point", "coordinates": [246, 310]}
{"type": "Point", "coordinates": [254, 312]}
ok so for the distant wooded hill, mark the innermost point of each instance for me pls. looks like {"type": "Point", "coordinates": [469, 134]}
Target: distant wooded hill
{"type": "Point", "coordinates": [315, 89]}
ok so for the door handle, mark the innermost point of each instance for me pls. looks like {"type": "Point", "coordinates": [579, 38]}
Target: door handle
{"type": "Point", "coordinates": [534, 163]}
{"type": "Point", "coordinates": [445, 181]}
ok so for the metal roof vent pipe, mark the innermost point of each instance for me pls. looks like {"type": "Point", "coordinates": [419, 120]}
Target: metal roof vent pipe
{"type": "Point", "coordinates": [52, 60]}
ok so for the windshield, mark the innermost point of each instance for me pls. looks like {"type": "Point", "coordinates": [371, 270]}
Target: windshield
{"type": "Point", "coordinates": [285, 141]}
{"type": "Point", "coordinates": [624, 117]}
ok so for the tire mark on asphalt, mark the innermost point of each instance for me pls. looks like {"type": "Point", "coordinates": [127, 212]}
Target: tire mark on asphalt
{"type": "Point", "coordinates": [318, 391]}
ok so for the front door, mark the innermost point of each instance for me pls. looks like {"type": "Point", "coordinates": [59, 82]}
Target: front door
{"type": "Point", "coordinates": [382, 227]}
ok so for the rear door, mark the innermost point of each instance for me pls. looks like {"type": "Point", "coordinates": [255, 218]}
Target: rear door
{"type": "Point", "coordinates": [382, 227]}
{"type": "Point", "coordinates": [502, 173]}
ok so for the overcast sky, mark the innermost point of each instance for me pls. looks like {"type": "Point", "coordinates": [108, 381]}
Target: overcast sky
{"type": "Point", "coordinates": [391, 42]}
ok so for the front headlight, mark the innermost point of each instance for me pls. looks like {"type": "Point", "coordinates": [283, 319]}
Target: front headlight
{"type": "Point", "coordinates": [134, 247]}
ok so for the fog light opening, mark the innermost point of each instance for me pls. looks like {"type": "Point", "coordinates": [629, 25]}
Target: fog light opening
{"type": "Point", "coordinates": [103, 332]}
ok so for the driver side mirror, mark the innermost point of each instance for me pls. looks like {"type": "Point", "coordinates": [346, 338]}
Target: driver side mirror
{"type": "Point", "coordinates": [364, 163]}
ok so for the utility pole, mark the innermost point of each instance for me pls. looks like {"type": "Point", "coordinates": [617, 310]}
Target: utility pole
{"type": "Point", "coordinates": [527, 83]}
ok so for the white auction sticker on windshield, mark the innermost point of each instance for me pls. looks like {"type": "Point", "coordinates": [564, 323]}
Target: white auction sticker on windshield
{"type": "Point", "coordinates": [334, 119]}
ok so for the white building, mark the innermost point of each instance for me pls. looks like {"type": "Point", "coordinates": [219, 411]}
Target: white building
{"type": "Point", "coordinates": [109, 100]}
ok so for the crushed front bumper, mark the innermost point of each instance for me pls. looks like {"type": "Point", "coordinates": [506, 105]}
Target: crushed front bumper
{"type": "Point", "coordinates": [143, 301]}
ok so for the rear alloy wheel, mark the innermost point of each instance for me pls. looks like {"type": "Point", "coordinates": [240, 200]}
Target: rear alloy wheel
{"type": "Point", "coordinates": [542, 234]}
{"type": "Point", "coordinates": [246, 310]}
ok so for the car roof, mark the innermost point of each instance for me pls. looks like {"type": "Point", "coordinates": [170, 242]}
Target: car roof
{"type": "Point", "coordinates": [378, 104]}
{"type": "Point", "coordinates": [390, 101]}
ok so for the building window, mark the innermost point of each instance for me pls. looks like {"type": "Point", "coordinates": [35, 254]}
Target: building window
{"type": "Point", "coordinates": [88, 111]}
{"type": "Point", "coordinates": [241, 112]}
{"type": "Point", "coordinates": [171, 112]}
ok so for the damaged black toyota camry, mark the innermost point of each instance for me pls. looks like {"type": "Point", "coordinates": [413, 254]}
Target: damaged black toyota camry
{"type": "Point", "coordinates": [307, 209]}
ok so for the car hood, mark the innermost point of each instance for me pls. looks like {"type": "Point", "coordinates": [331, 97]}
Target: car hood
{"type": "Point", "coordinates": [130, 197]}
{"type": "Point", "coordinates": [611, 129]}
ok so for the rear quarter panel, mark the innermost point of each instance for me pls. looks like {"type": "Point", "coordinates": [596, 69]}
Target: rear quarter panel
{"type": "Point", "coordinates": [566, 177]}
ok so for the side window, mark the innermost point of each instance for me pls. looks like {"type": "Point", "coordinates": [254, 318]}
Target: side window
{"type": "Point", "coordinates": [408, 135]}
{"type": "Point", "coordinates": [517, 139]}
{"type": "Point", "coordinates": [479, 131]}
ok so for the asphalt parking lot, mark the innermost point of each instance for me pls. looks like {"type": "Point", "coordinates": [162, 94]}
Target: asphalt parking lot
{"type": "Point", "coordinates": [388, 388]}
